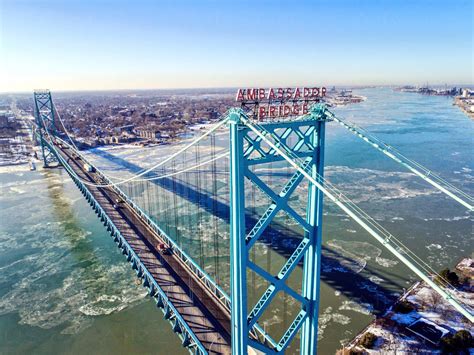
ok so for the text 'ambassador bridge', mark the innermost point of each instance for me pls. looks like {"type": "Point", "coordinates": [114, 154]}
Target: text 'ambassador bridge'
{"type": "Point", "coordinates": [258, 187]}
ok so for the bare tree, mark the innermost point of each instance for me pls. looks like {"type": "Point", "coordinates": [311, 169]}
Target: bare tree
{"type": "Point", "coordinates": [435, 300]}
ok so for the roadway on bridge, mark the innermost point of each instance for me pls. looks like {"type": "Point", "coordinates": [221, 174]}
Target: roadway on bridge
{"type": "Point", "coordinates": [207, 318]}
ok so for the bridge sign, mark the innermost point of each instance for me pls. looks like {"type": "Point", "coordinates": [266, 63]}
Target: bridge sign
{"type": "Point", "coordinates": [273, 103]}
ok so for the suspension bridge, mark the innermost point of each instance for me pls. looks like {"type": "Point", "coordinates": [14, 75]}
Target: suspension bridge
{"type": "Point", "coordinates": [242, 188]}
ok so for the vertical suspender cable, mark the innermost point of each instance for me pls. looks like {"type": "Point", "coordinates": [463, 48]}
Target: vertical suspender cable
{"type": "Point", "coordinates": [214, 208]}
{"type": "Point", "coordinates": [175, 204]}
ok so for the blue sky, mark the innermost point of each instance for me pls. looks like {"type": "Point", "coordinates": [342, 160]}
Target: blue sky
{"type": "Point", "coordinates": [84, 44]}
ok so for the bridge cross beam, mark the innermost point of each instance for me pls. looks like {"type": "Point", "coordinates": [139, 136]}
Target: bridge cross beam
{"type": "Point", "coordinates": [279, 202]}
{"type": "Point", "coordinates": [308, 135]}
{"type": "Point", "coordinates": [254, 144]}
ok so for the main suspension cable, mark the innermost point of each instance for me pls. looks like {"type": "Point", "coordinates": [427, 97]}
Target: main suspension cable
{"type": "Point", "coordinates": [415, 167]}
{"type": "Point", "coordinates": [138, 172]}
{"type": "Point", "coordinates": [341, 197]}
{"type": "Point", "coordinates": [152, 178]}
{"type": "Point", "coordinates": [172, 156]}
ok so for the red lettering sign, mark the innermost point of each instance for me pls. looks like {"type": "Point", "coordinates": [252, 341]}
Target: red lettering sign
{"type": "Point", "coordinates": [240, 95]}
{"type": "Point", "coordinates": [280, 93]}
{"type": "Point", "coordinates": [280, 102]}
{"type": "Point", "coordinates": [251, 94]}
{"type": "Point", "coordinates": [271, 95]}
{"type": "Point", "coordinates": [272, 111]}
{"type": "Point", "coordinates": [304, 93]}
{"type": "Point", "coordinates": [297, 94]}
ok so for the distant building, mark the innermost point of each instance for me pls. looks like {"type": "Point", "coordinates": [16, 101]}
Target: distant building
{"type": "Point", "coordinates": [465, 93]}
{"type": "Point", "coordinates": [212, 115]}
{"type": "Point", "coordinates": [148, 133]}
{"type": "Point", "coordinates": [127, 136]}
{"type": "Point", "coordinates": [3, 121]}
{"type": "Point", "coordinates": [428, 330]}
{"type": "Point", "coordinates": [109, 140]}
{"type": "Point", "coordinates": [127, 128]}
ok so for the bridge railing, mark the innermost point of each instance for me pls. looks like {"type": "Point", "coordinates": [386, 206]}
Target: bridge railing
{"type": "Point", "coordinates": [192, 266]}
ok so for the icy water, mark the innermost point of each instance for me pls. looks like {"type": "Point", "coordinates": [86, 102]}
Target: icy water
{"type": "Point", "coordinates": [65, 288]}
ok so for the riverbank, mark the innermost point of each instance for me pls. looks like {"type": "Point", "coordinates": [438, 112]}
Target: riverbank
{"type": "Point", "coordinates": [16, 144]}
{"type": "Point", "coordinates": [420, 320]}
{"type": "Point", "coordinates": [465, 105]}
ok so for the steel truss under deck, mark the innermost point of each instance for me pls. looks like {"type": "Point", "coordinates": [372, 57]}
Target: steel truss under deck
{"type": "Point", "coordinates": [305, 138]}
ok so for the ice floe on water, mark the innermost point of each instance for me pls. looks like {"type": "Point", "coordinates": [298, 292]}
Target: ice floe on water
{"type": "Point", "coordinates": [433, 246]}
{"type": "Point", "coordinates": [349, 255]}
{"type": "Point", "coordinates": [385, 262]}
{"type": "Point", "coordinates": [272, 321]}
{"type": "Point", "coordinates": [107, 304]}
{"type": "Point", "coordinates": [329, 316]}
{"type": "Point", "coordinates": [364, 308]}
{"type": "Point", "coordinates": [77, 325]}
{"type": "Point", "coordinates": [376, 280]}
{"type": "Point", "coordinates": [363, 185]}
{"type": "Point", "coordinates": [8, 169]}
{"type": "Point", "coordinates": [55, 274]}
{"type": "Point", "coordinates": [17, 190]}
{"type": "Point", "coordinates": [449, 219]}
{"type": "Point", "coordinates": [42, 301]}
{"type": "Point", "coordinates": [340, 318]}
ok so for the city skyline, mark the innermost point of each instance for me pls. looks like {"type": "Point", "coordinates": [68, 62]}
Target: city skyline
{"type": "Point", "coordinates": [105, 45]}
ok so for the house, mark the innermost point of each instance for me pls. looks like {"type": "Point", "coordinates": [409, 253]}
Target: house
{"type": "Point", "coordinates": [148, 133]}
{"type": "Point", "coordinates": [428, 330]}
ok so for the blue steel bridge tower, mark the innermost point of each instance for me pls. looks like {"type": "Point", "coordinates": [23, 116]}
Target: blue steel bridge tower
{"type": "Point", "coordinates": [45, 125]}
{"type": "Point", "coordinates": [303, 138]}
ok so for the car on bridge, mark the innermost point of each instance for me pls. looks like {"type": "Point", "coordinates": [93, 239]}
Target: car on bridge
{"type": "Point", "coordinates": [118, 202]}
{"type": "Point", "coordinates": [163, 249]}
{"type": "Point", "coordinates": [89, 168]}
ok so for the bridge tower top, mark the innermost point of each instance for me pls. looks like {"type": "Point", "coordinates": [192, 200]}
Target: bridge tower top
{"type": "Point", "coordinates": [44, 111]}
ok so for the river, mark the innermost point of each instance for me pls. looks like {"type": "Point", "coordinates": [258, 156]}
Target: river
{"type": "Point", "coordinates": [65, 288]}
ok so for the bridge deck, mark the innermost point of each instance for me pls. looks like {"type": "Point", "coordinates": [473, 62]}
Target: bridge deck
{"type": "Point", "coordinates": [201, 311]}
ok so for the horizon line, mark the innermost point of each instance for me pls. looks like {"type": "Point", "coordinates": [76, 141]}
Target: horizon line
{"type": "Point", "coordinates": [225, 88]}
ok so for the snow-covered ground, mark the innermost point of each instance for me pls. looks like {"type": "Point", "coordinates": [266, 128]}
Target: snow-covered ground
{"type": "Point", "coordinates": [16, 150]}
{"type": "Point", "coordinates": [393, 337]}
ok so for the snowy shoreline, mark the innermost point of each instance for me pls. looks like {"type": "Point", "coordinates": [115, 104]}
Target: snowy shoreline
{"type": "Point", "coordinates": [397, 331]}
